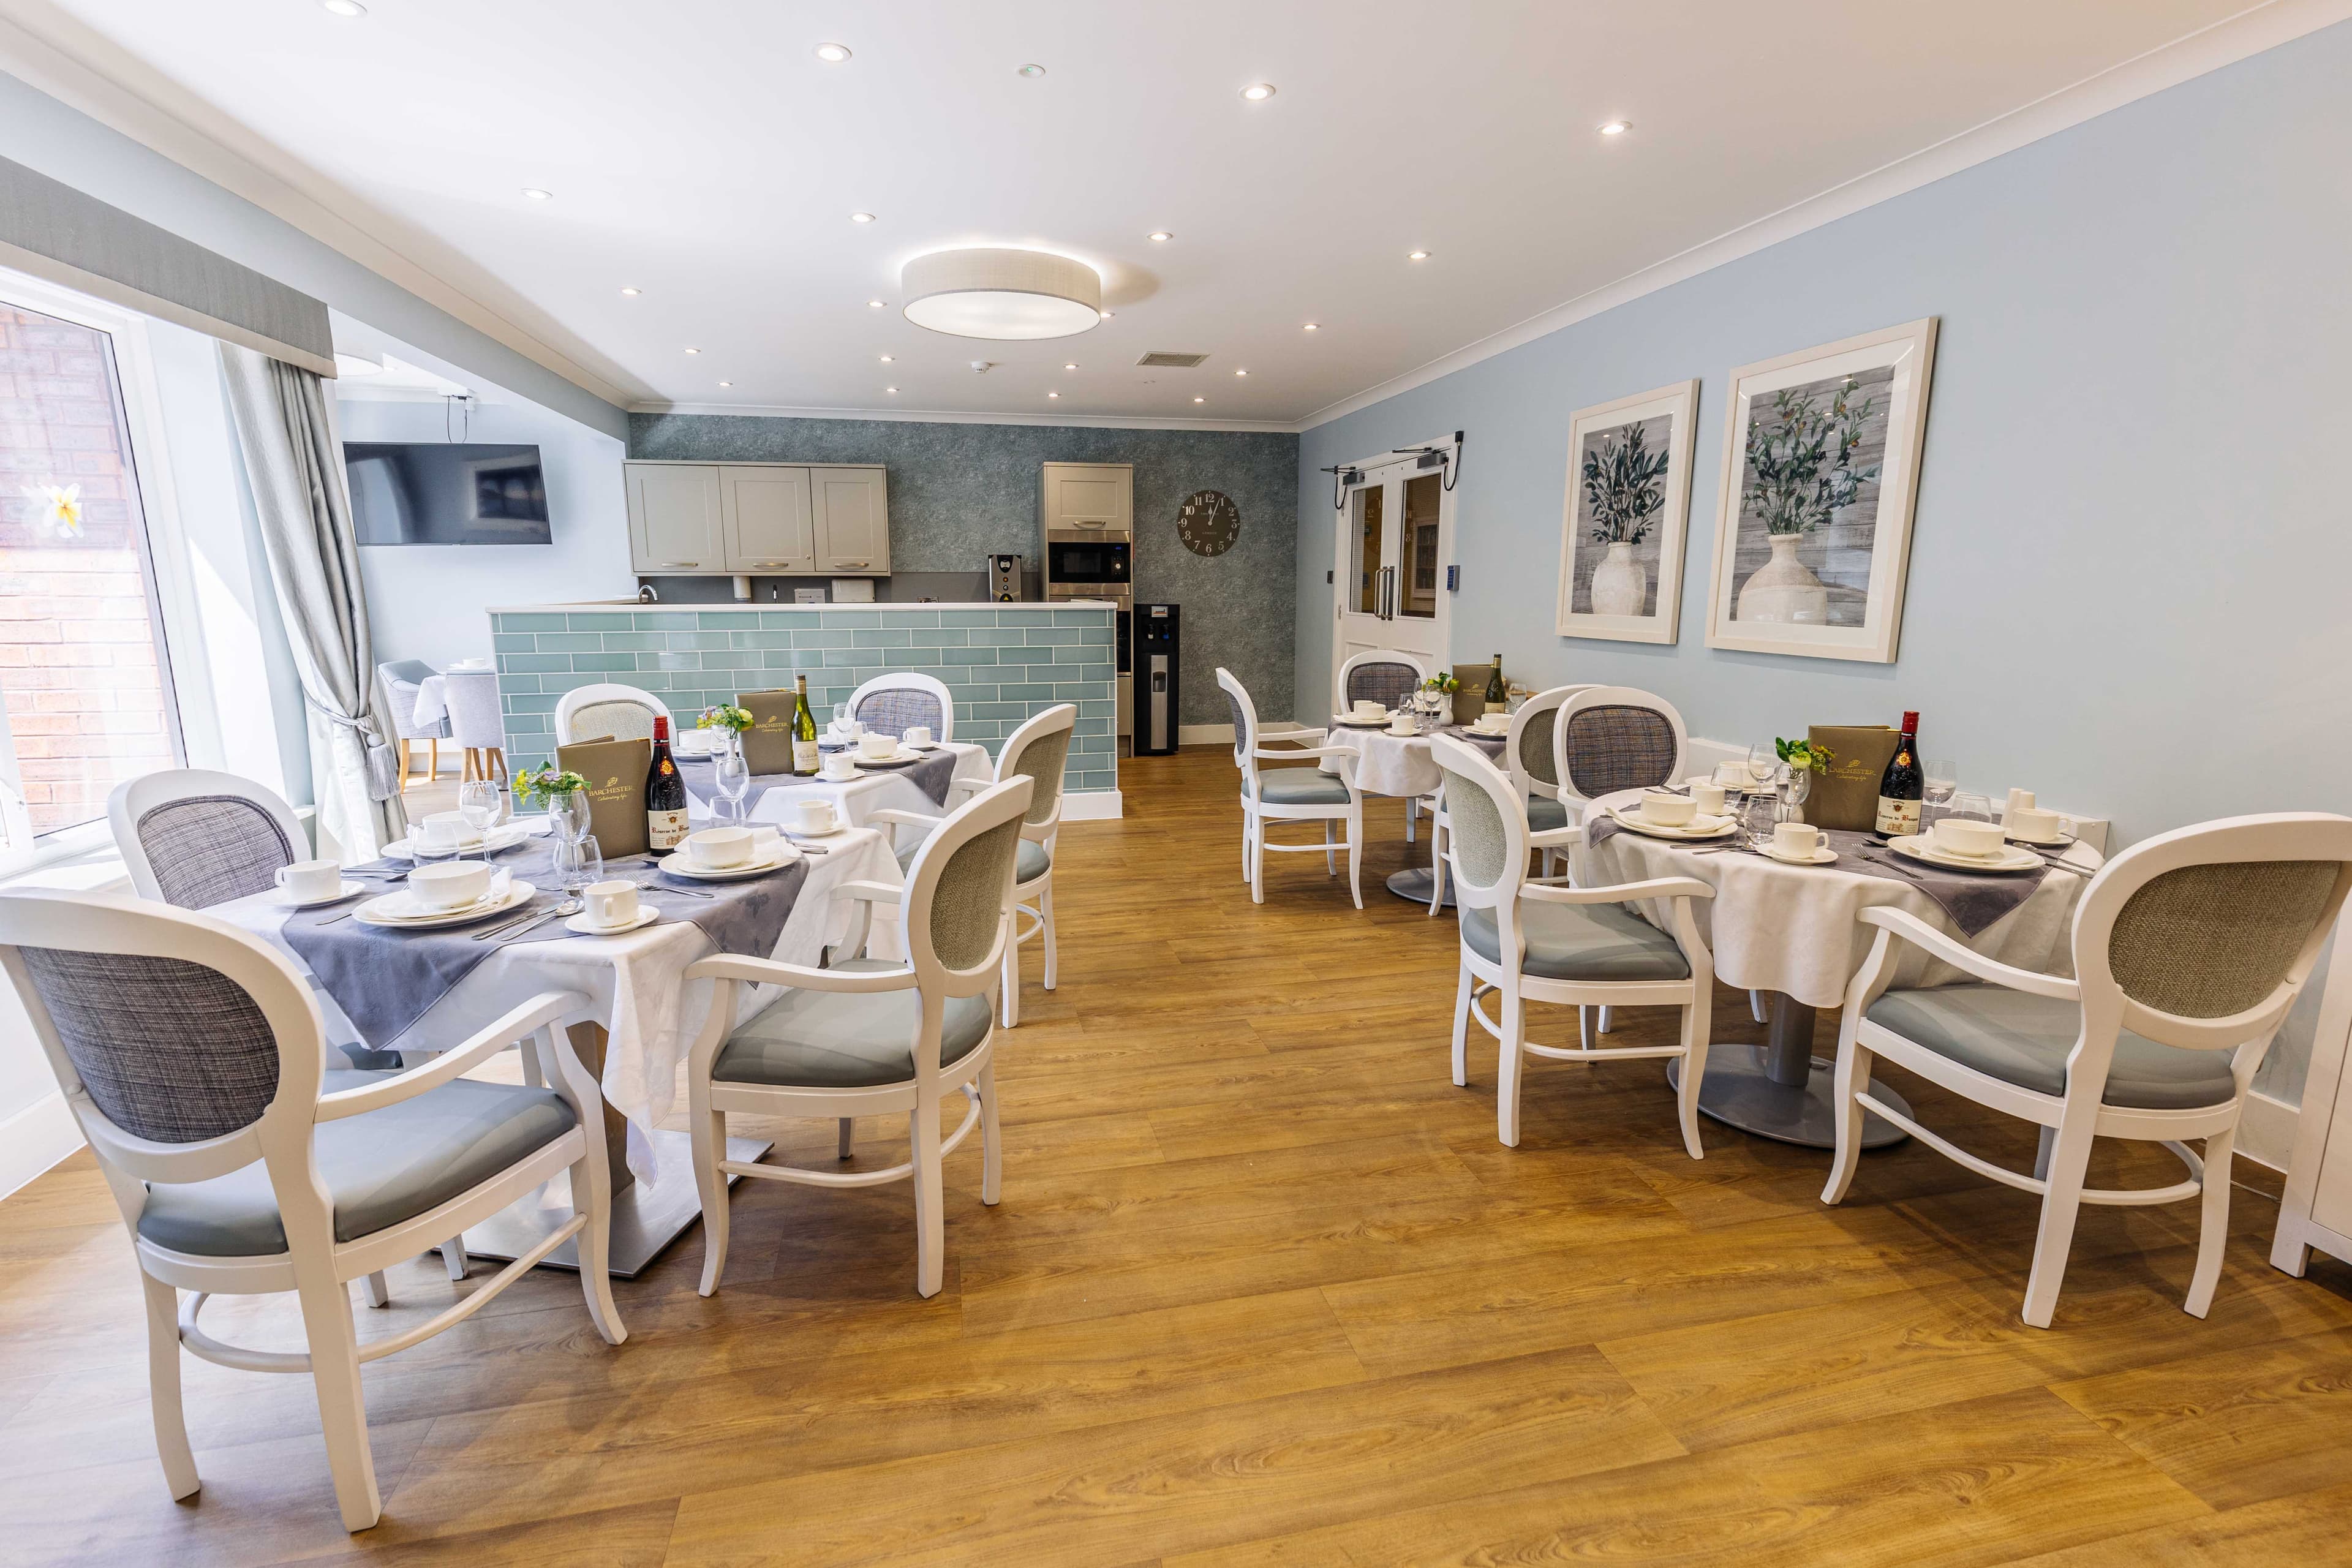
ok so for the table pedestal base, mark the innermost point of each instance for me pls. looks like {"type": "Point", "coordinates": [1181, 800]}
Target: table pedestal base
{"type": "Point", "coordinates": [646, 1216]}
{"type": "Point", "coordinates": [1413, 883]}
{"type": "Point", "coordinates": [1782, 1091]}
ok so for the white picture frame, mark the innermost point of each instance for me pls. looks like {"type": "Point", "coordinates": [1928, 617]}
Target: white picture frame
{"type": "Point", "coordinates": [1660, 424]}
{"type": "Point", "coordinates": [1829, 586]}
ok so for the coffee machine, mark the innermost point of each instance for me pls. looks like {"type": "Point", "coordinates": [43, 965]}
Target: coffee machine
{"type": "Point", "coordinates": [1004, 579]}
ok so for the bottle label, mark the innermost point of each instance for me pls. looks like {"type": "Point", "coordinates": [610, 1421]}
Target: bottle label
{"type": "Point", "coordinates": [664, 828]}
{"type": "Point", "coordinates": [1897, 816]}
{"type": "Point", "coordinates": [805, 756]}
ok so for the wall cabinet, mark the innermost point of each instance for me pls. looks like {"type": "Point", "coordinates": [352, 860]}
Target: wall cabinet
{"type": "Point", "coordinates": [758, 519]}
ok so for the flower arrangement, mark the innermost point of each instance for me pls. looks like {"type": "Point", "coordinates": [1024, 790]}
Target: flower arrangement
{"type": "Point", "coordinates": [1801, 466]}
{"type": "Point", "coordinates": [548, 783]}
{"type": "Point", "coordinates": [726, 716]}
{"type": "Point", "coordinates": [1625, 484]}
{"type": "Point", "coordinates": [1446, 683]}
{"type": "Point", "coordinates": [1804, 756]}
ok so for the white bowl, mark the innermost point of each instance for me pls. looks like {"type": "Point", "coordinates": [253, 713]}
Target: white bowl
{"type": "Point", "coordinates": [1667, 810]}
{"type": "Point", "coordinates": [719, 847]}
{"type": "Point", "coordinates": [1966, 836]}
{"type": "Point", "coordinates": [871, 744]}
{"type": "Point", "coordinates": [449, 884]}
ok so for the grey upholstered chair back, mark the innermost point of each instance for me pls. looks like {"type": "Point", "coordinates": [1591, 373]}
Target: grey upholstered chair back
{"type": "Point", "coordinates": [403, 678]}
{"type": "Point", "coordinates": [206, 849]}
{"type": "Point", "coordinates": [1040, 761]}
{"type": "Point", "coordinates": [614, 721]}
{"type": "Point", "coordinates": [1382, 681]}
{"type": "Point", "coordinates": [475, 720]}
{"type": "Point", "coordinates": [1618, 746]}
{"type": "Point", "coordinates": [1241, 720]}
{"type": "Point", "coordinates": [1534, 745]}
{"type": "Point", "coordinates": [171, 1051]}
{"type": "Point", "coordinates": [974, 888]}
{"type": "Point", "coordinates": [1480, 843]}
{"type": "Point", "coordinates": [2214, 939]}
{"type": "Point", "coordinates": [894, 710]}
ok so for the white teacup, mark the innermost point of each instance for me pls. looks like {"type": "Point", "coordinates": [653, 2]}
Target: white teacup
{"type": "Point", "coordinates": [1367, 708]}
{"type": "Point", "coordinates": [872, 744]}
{"type": "Point", "coordinates": [1706, 797]}
{"type": "Point", "coordinates": [449, 884]}
{"type": "Point", "coordinates": [1403, 725]}
{"type": "Point", "coordinates": [1731, 775]}
{"type": "Point", "coordinates": [610, 904]}
{"type": "Point", "coordinates": [837, 766]}
{"type": "Point", "coordinates": [1798, 840]}
{"type": "Point", "coordinates": [1667, 810]}
{"type": "Point", "coordinates": [307, 882]}
{"type": "Point", "coordinates": [453, 823]}
{"type": "Point", "coordinates": [1492, 723]}
{"type": "Point", "coordinates": [719, 849]}
{"type": "Point", "coordinates": [2037, 823]}
{"type": "Point", "coordinates": [815, 815]}
{"type": "Point", "coordinates": [1966, 836]}
{"type": "Point", "coordinates": [919, 735]}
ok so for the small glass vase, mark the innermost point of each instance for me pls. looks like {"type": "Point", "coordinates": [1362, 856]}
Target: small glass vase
{"type": "Point", "coordinates": [567, 816]}
{"type": "Point", "coordinates": [1792, 786]}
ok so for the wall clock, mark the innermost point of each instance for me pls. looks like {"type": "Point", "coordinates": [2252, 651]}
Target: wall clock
{"type": "Point", "coordinates": [1208, 522]}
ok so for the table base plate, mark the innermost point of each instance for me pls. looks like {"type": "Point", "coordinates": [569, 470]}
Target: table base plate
{"type": "Point", "coordinates": [1739, 1092]}
{"type": "Point", "coordinates": [1413, 883]}
{"type": "Point", "coordinates": [646, 1216]}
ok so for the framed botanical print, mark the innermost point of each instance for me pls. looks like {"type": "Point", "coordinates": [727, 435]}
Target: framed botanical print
{"type": "Point", "coordinates": [1820, 469]}
{"type": "Point", "coordinates": [1628, 507]}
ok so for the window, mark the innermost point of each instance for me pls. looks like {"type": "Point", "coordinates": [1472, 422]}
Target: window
{"type": "Point", "coordinates": [84, 666]}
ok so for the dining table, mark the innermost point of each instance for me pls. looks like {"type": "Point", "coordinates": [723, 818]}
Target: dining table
{"type": "Point", "coordinates": [1390, 763]}
{"type": "Point", "coordinates": [925, 786]}
{"type": "Point", "coordinates": [1794, 932]}
{"type": "Point", "coordinates": [420, 992]}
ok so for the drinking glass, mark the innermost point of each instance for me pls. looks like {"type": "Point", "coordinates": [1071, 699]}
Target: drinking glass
{"type": "Point", "coordinates": [731, 774]}
{"type": "Point", "coordinates": [1943, 777]}
{"type": "Point", "coordinates": [479, 802]}
{"type": "Point", "coordinates": [567, 816]}
{"type": "Point", "coordinates": [1763, 762]}
{"type": "Point", "coordinates": [433, 842]}
{"type": "Point", "coordinates": [578, 863]}
{"type": "Point", "coordinates": [1973, 808]}
{"type": "Point", "coordinates": [841, 718]}
{"type": "Point", "coordinates": [1760, 813]}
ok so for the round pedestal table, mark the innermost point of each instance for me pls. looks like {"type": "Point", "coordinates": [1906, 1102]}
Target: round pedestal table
{"type": "Point", "coordinates": [1796, 932]}
{"type": "Point", "coordinates": [1390, 763]}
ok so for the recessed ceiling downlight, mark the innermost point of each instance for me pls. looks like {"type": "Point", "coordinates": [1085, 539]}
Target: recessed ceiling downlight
{"type": "Point", "coordinates": [1033, 69]}
{"type": "Point", "coordinates": [1616, 127]}
{"type": "Point", "coordinates": [1258, 91]}
{"type": "Point", "coordinates": [833, 54]}
{"type": "Point", "coordinates": [343, 7]}
{"type": "Point", "coordinates": [1001, 294]}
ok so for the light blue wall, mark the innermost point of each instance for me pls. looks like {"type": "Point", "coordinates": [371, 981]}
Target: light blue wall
{"type": "Point", "coordinates": [2132, 557]}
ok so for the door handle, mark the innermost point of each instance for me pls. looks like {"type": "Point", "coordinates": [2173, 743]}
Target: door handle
{"type": "Point", "coordinates": [849, 563]}
{"type": "Point", "coordinates": [678, 562]}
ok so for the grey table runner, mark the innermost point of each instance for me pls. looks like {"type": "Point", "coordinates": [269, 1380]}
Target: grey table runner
{"type": "Point", "coordinates": [1973, 900]}
{"type": "Point", "coordinates": [384, 980]}
{"type": "Point", "coordinates": [1491, 745]}
{"type": "Point", "coordinates": [931, 775]}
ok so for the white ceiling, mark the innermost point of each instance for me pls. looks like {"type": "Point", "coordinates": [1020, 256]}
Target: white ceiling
{"type": "Point", "coordinates": [698, 151]}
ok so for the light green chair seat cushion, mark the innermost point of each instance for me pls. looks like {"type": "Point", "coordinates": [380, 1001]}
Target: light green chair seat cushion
{"type": "Point", "coordinates": [1580, 942]}
{"type": "Point", "coordinates": [380, 1168]}
{"type": "Point", "coordinates": [2024, 1040]}
{"type": "Point", "coordinates": [1300, 786]}
{"type": "Point", "coordinates": [1032, 863]}
{"type": "Point", "coordinates": [837, 1039]}
{"type": "Point", "coordinates": [1545, 814]}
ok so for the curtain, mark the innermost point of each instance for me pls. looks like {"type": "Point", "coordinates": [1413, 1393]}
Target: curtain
{"type": "Point", "coordinates": [294, 467]}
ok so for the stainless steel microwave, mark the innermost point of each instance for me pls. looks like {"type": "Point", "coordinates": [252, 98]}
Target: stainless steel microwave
{"type": "Point", "coordinates": [1088, 561]}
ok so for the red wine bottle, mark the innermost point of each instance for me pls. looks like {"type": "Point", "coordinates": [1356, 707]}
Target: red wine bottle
{"type": "Point", "coordinates": [1902, 786]}
{"type": "Point", "coordinates": [664, 795]}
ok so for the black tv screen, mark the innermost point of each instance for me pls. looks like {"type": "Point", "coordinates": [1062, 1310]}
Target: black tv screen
{"type": "Point", "coordinates": [442, 492]}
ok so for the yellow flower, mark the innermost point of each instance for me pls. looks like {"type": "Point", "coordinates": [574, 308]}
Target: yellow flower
{"type": "Point", "coordinates": [62, 511]}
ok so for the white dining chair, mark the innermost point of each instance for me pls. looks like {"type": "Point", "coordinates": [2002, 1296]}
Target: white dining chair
{"type": "Point", "coordinates": [863, 1037]}
{"type": "Point", "coordinates": [1386, 675]}
{"type": "Point", "coordinates": [1036, 751]}
{"type": "Point", "coordinates": [194, 837]}
{"type": "Point", "coordinates": [192, 1057]}
{"type": "Point", "coordinates": [1609, 738]}
{"type": "Point", "coordinates": [606, 710]}
{"type": "Point", "coordinates": [1292, 794]}
{"type": "Point", "coordinates": [898, 700]}
{"type": "Point", "coordinates": [477, 723]}
{"type": "Point", "coordinates": [403, 680]}
{"type": "Point", "coordinates": [2190, 949]}
{"type": "Point", "coordinates": [1528, 762]}
{"type": "Point", "coordinates": [1535, 940]}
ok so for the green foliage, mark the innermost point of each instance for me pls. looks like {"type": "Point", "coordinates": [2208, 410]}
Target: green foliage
{"type": "Point", "coordinates": [726, 716]}
{"type": "Point", "coordinates": [1440, 683]}
{"type": "Point", "coordinates": [1803, 756]}
{"type": "Point", "coordinates": [1801, 467]}
{"type": "Point", "coordinates": [1624, 485]}
{"type": "Point", "coordinates": [546, 783]}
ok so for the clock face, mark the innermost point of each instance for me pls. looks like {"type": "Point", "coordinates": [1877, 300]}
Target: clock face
{"type": "Point", "coordinates": [1208, 522]}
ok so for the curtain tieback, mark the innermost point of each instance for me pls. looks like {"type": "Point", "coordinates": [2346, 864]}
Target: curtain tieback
{"type": "Point", "coordinates": [384, 781]}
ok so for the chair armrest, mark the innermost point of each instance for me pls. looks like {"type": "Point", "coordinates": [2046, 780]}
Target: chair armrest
{"type": "Point", "coordinates": [547, 1007]}
{"type": "Point", "coordinates": [1623, 892]}
{"type": "Point", "coordinates": [896, 818]}
{"type": "Point", "coordinates": [1288, 737]}
{"type": "Point", "coordinates": [773, 972]}
{"type": "Point", "coordinates": [870, 892]}
{"type": "Point", "coordinates": [1910, 928]}
{"type": "Point", "coordinates": [1303, 753]}
{"type": "Point", "coordinates": [1557, 837]}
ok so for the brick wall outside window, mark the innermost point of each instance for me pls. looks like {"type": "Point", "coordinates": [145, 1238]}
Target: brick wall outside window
{"type": "Point", "coordinates": [79, 659]}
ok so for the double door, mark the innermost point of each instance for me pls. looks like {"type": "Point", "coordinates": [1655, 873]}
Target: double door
{"type": "Point", "coordinates": [1395, 539]}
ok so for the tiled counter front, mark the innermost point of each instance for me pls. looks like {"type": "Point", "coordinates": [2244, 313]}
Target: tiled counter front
{"type": "Point", "coordinates": [1001, 665]}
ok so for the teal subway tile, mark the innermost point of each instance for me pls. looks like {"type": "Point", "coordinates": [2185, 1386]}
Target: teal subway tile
{"type": "Point", "coordinates": [685, 641]}
{"type": "Point", "coordinates": [599, 623]}
{"type": "Point", "coordinates": [526, 623]}
{"type": "Point", "coordinates": [571, 642]}
{"type": "Point", "coordinates": [998, 638]}
{"type": "Point", "coordinates": [534, 663]}
{"type": "Point", "coordinates": [717, 620]}
{"type": "Point", "coordinates": [651, 680]}
{"type": "Point", "coordinates": [602, 663]}
{"type": "Point", "coordinates": [744, 659]}
{"type": "Point", "coordinates": [824, 637]}
{"type": "Point", "coordinates": [1102, 672]}
{"type": "Point", "coordinates": [788, 620]}
{"type": "Point", "coordinates": [664, 621]}
{"type": "Point", "coordinates": [562, 683]}
{"type": "Point", "coordinates": [508, 684]}
{"type": "Point", "coordinates": [777, 658]}
{"type": "Point", "coordinates": [669, 662]}
{"type": "Point", "coordinates": [846, 657]}
{"type": "Point", "coordinates": [886, 637]}
{"type": "Point", "coordinates": [1092, 708]}
{"type": "Point", "coordinates": [1092, 727]}
{"type": "Point", "coordinates": [1078, 691]}
{"type": "Point", "coordinates": [967, 694]}
{"type": "Point", "coordinates": [1025, 617]}
{"type": "Point", "coordinates": [527, 724]}
{"type": "Point", "coordinates": [968, 618]}
{"type": "Point", "coordinates": [915, 619]}
{"type": "Point", "coordinates": [1076, 654]}
{"type": "Point", "coordinates": [1027, 693]}
{"type": "Point", "coordinates": [516, 642]}
{"type": "Point", "coordinates": [1051, 636]}
{"type": "Point", "coordinates": [853, 620]}
{"type": "Point", "coordinates": [954, 656]}
{"type": "Point", "coordinates": [808, 658]}
{"type": "Point", "coordinates": [944, 636]}
{"type": "Point", "coordinates": [1014, 710]}
{"type": "Point", "coordinates": [532, 702]}
{"type": "Point", "coordinates": [1094, 635]}
{"type": "Point", "coordinates": [633, 642]}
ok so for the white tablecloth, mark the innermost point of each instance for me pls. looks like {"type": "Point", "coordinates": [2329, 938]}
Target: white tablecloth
{"type": "Point", "coordinates": [636, 984]}
{"type": "Point", "coordinates": [857, 799]}
{"type": "Point", "coordinates": [1386, 763]}
{"type": "Point", "coordinates": [1797, 928]}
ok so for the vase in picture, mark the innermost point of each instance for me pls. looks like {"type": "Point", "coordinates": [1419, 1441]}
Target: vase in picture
{"type": "Point", "coordinates": [1621, 585]}
{"type": "Point", "coordinates": [1781, 591]}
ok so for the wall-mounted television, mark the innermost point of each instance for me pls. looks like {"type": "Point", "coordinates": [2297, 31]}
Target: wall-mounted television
{"type": "Point", "coordinates": [447, 492]}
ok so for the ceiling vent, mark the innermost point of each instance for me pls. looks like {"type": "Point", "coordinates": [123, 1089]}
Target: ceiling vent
{"type": "Point", "coordinates": [1161, 359]}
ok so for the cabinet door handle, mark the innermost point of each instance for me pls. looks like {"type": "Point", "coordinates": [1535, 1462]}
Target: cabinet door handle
{"type": "Point", "coordinates": [678, 562]}
{"type": "Point", "coordinates": [849, 563]}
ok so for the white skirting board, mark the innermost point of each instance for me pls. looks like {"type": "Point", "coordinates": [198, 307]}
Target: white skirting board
{"type": "Point", "coordinates": [35, 1139]}
{"type": "Point", "coordinates": [1093, 806]}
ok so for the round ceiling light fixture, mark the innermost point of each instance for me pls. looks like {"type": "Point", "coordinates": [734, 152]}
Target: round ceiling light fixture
{"type": "Point", "coordinates": [631, 293]}
{"type": "Point", "coordinates": [833, 54]}
{"type": "Point", "coordinates": [861, 217]}
{"type": "Point", "coordinates": [535, 194]}
{"type": "Point", "coordinates": [1033, 69]}
{"type": "Point", "coordinates": [1616, 128]}
{"type": "Point", "coordinates": [1001, 294]}
{"type": "Point", "coordinates": [1258, 91]}
{"type": "Point", "coordinates": [343, 7]}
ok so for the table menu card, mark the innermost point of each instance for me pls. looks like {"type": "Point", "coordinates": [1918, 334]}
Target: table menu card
{"type": "Point", "coordinates": [768, 743]}
{"type": "Point", "coordinates": [1470, 702]}
{"type": "Point", "coordinates": [1846, 796]}
{"type": "Point", "coordinates": [615, 772]}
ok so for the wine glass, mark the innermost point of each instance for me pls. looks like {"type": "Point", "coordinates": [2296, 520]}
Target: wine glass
{"type": "Point", "coordinates": [578, 863]}
{"type": "Point", "coordinates": [479, 802]}
{"type": "Point", "coordinates": [1942, 778]}
{"type": "Point", "coordinates": [730, 773]}
{"type": "Point", "coordinates": [1971, 807]}
{"type": "Point", "coordinates": [1763, 762]}
{"type": "Point", "coordinates": [841, 717]}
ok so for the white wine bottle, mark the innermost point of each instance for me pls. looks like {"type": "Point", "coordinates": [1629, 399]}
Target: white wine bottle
{"type": "Point", "coordinates": [804, 747]}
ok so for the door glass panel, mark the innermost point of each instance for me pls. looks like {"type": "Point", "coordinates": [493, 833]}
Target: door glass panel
{"type": "Point", "coordinates": [1366, 515]}
{"type": "Point", "coordinates": [1419, 599]}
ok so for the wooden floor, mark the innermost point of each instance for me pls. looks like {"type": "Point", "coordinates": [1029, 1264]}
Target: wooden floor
{"type": "Point", "coordinates": [1262, 1288]}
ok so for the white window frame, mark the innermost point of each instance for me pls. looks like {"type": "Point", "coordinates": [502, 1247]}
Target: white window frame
{"type": "Point", "coordinates": [167, 556]}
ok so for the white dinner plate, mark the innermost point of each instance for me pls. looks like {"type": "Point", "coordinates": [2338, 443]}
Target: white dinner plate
{"type": "Point", "coordinates": [1700, 827]}
{"type": "Point", "coordinates": [390, 912]}
{"type": "Point", "coordinates": [1350, 721]}
{"type": "Point", "coordinates": [350, 888]}
{"type": "Point", "coordinates": [1821, 856]}
{"type": "Point", "coordinates": [1915, 846]}
{"type": "Point", "coordinates": [505, 836]}
{"type": "Point", "coordinates": [578, 924]}
{"type": "Point", "coordinates": [678, 866]}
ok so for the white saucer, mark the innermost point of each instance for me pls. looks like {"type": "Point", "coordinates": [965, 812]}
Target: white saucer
{"type": "Point", "coordinates": [920, 747]}
{"type": "Point", "coordinates": [835, 831]}
{"type": "Point", "coordinates": [1350, 721]}
{"type": "Point", "coordinates": [1699, 827]}
{"type": "Point", "coordinates": [578, 926]}
{"type": "Point", "coordinates": [1914, 847]}
{"type": "Point", "coordinates": [895, 759]}
{"type": "Point", "coordinates": [678, 866]}
{"type": "Point", "coordinates": [505, 836]}
{"type": "Point", "coordinates": [1821, 856]}
{"type": "Point", "coordinates": [375, 912]}
{"type": "Point", "coordinates": [350, 888]}
{"type": "Point", "coordinates": [821, 778]}
{"type": "Point", "coordinates": [2056, 841]}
